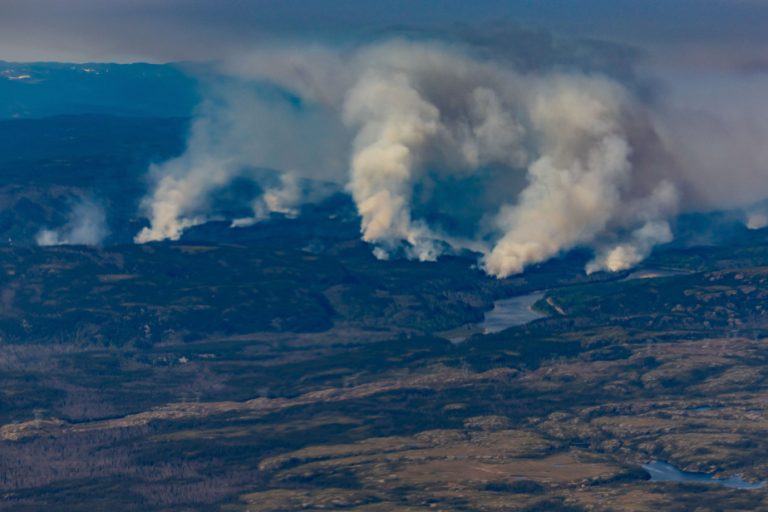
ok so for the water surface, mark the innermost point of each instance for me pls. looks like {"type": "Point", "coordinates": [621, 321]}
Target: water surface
{"type": "Point", "coordinates": [511, 312]}
{"type": "Point", "coordinates": [663, 472]}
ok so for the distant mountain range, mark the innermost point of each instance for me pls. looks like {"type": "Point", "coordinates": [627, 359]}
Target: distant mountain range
{"type": "Point", "coordinates": [33, 90]}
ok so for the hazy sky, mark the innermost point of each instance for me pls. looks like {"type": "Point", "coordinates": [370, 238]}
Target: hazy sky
{"type": "Point", "coordinates": [698, 32]}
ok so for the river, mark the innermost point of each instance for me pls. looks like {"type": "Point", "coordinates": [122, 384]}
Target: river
{"type": "Point", "coordinates": [508, 313]}
{"type": "Point", "coordinates": [519, 310]}
{"type": "Point", "coordinates": [505, 313]}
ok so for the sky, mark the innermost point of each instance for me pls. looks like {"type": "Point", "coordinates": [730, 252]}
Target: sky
{"type": "Point", "coordinates": [697, 33]}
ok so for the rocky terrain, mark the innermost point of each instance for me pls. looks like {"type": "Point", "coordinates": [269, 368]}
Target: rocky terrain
{"type": "Point", "coordinates": [375, 410]}
{"type": "Point", "coordinates": [281, 367]}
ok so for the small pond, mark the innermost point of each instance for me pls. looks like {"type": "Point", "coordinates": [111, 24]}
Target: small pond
{"type": "Point", "coordinates": [508, 313]}
{"type": "Point", "coordinates": [663, 472]}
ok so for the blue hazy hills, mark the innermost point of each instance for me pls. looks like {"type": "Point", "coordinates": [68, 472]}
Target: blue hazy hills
{"type": "Point", "coordinates": [34, 90]}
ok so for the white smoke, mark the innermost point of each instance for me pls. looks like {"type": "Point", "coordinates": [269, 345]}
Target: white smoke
{"type": "Point", "coordinates": [650, 213]}
{"type": "Point", "coordinates": [415, 108]}
{"type": "Point", "coordinates": [756, 215]}
{"type": "Point", "coordinates": [575, 183]}
{"type": "Point", "coordinates": [284, 199]}
{"type": "Point", "coordinates": [757, 221]}
{"type": "Point", "coordinates": [86, 225]}
{"type": "Point", "coordinates": [560, 158]}
{"type": "Point", "coordinates": [181, 191]}
{"type": "Point", "coordinates": [632, 251]}
{"type": "Point", "coordinates": [238, 129]}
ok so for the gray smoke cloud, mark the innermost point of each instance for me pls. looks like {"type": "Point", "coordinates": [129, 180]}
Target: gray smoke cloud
{"type": "Point", "coordinates": [86, 225]}
{"type": "Point", "coordinates": [428, 136]}
{"type": "Point", "coordinates": [717, 124]}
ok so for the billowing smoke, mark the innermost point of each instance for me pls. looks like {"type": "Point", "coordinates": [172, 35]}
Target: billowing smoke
{"type": "Point", "coordinates": [283, 198]}
{"type": "Point", "coordinates": [442, 150]}
{"type": "Point", "coordinates": [417, 110]}
{"type": "Point", "coordinates": [650, 214]}
{"type": "Point", "coordinates": [86, 225]}
{"type": "Point", "coordinates": [240, 130]}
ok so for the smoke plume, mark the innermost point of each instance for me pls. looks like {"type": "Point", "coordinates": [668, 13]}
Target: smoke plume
{"type": "Point", "coordinates": [86, 225]}
{"type": "Point", "coordinates": [240, 130]}
{"type": "Point", "coordinates": [442, 149]}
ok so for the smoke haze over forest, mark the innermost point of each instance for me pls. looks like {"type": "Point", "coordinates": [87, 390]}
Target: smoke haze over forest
{"type": "Point", "coordinates": [514, 132]}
